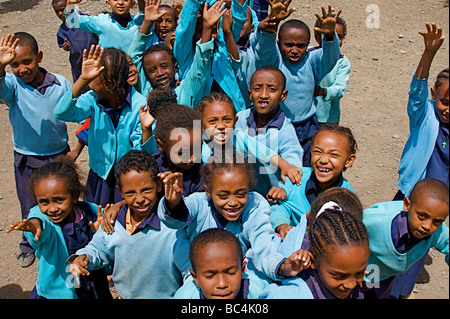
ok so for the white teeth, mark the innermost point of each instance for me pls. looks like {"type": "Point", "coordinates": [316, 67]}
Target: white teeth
{"type": "Point", "coordinates": [324, 170]}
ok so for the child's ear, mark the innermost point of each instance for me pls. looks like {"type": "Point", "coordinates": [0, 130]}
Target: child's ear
{"type": "Point", "coordinates": [237, 118]}
{"type": "Point", "coordinates": [158, 186]}
{"type": "Point", "coordinates": [160, 145]}
{"type": "Point", "coordinates": [207, 191]}
{"type": "Point", "coordinates": [350, 161]}
{"type": "Point", "coordinates": [284, 95]}
{"type": "Point", "coordinates": [244, 263]}
{"type": "Point", "coordinates": [175, 67]}
{"type": "Point", "coordinates": [406, 204]}
{"type": "Point", "coordinates": [433, 93]}
{"type": "Point", "coordinates": [120, 191]}
{"type": "Point", "coordinates": [107, 4]}
{"type": "Point", "coordinates": [194, 276]}
{"type": "Point", "coordinates": [40, 55]}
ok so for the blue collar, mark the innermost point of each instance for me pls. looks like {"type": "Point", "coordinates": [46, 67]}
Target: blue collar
{"type": "Point", "coordinates": [152, 220]}
{"type": "Point", "coordinates": [49, 79]}
{"type": "Point", "coordinates": [402, 238]}
{"type": "Point", "coordinates": [312, 188]}
{"type": "Point", "coordinates": [220, 220]}
{"type": "Point", "coordinates": [123, 21]}
{"type": "Point", "coordinates": [276, 121]}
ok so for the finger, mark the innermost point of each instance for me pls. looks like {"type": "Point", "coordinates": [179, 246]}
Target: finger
{"type": "Point", "coordinates": [318, 18]}
{"type": "Point", "coordinates": [330, 11]}
{"type": "Point", "coordinates": [324, 13]}
{"type": "Point", "coordinates": [439, 32]}
{"type": "Point", "coordinates": [38, 234]}
{"type": "Point", "coordinates": [338, 14]}
{"type": "Point", "coordinates": [427, 24]}
{"type": "Point", "coordinates": [288, 2]}
{"type": "Point", "coordinates": [433, 28]}
{"type": "Point", "coordinates": [99, 211]}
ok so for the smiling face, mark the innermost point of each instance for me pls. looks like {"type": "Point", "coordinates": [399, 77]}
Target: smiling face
{"type": "Point", "coordinates": [59, 7]}
{"type": "Point", "coordinates": [330, 155]}
{"type": "Point", "coordinates": [218, 119]}
{"type": "Point", "coordinates": [55, 199]}
{"type": "Point", "coordinates": [132, 72]}
{"type": "Point", "coordinates": [166, 23]}
{"type": "Point", "coordinates": [441, 101]}
{"type": "Point", "coordinates": [293, 44]}
{"type": "Point", "coordinates": [26, 64]}
{"type": "Point", "coordinates": [160, 69]}
{"type": "Point", "coordinates": [121, 8]}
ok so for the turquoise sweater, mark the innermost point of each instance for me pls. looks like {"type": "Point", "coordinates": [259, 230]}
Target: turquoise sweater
{"type": "Point", "coordinates": [36, 130]}
{"type": "Point", "coordinates": [378, 220]}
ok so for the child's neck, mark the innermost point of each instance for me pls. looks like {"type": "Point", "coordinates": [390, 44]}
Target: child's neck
{"type": "Point", "coordinates": [39, 76]}
{"type": "Point", "coordinates": [263, 119]}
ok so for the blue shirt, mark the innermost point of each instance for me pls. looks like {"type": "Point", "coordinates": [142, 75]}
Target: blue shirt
{"type": "Point", "coordinates": [402, 238]}
{"type": "Point", "coordinates": [438, 165]}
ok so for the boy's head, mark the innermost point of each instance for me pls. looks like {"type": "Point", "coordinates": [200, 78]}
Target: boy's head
{"type": "Point", "coordinates": [440, 95]}
{"type": "Point", "coordinates": [427, 207]}
{"type": "Point", "coordinates": [120, 8]}
{"type": "Point", "coordinates": [167, 23]}
{"type": "Point", "coordinates": [59, 6]}
{"type": "Point", "coordinates": [217, 263]}
{"type": "Point", "coordinates": [138, 182]}
{"type": "Point", "coordinates": [293, 40]}
{"type": "Point", "coordinates": [160, 66]}
{"type": "Point", "coordinates": [267, 90]}
{"type": "Point", "coordinates": [26, 63]}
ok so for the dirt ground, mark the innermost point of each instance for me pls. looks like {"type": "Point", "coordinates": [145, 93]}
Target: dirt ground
{"type": "Point", "coordinates": [383, 57]}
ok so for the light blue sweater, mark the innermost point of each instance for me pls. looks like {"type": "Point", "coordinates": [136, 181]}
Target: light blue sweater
{"type": "Point", "coordinates": [378, 220]}
{"type": "Point", "coordinates": [292, 288]}
{"type": "Point", "coordinates": [36, 131]}
{"type": "Point", "coordinates": [423, 132]}
{"type": "Point", "coordinates": [253, 228]}
{"type": "Point", "coordinates": [301, 78]}
{"type": "Point", "coordinates": [106, 144]}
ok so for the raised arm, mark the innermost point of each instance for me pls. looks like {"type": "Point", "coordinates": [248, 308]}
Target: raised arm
{"type": "Point", "coordinates": [433, 39]}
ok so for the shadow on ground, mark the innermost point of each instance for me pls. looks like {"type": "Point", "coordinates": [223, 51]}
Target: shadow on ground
{"type": "Point", "coordinates": [17, 5]}
{"type": "Point", "coordinates": [13, 291]}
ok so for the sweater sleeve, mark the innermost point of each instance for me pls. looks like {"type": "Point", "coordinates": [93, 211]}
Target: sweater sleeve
{"type": "Point", "coordinates": [83, 22]}
{"type": "Point", "coordinates": [97, 251]}
{"type": "Point", "coordinates": [417, 101]}
{"type": "Point", "coordinates": [266, 49]}
{"type": "Point", "coordinates": [442, 241]}
{"type": "Point", "coordinates": [7, 88]}
{"type": "Point", "coordinates": [339, 87]}
{"type": "Point", "coordinates": [73, 110]}
{"type": "Point", "coordinates": [325, 59]}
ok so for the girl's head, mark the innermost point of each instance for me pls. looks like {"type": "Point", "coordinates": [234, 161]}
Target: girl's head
{"type": "Point", "coordinates": [341, 30]}
{"type": "Point", "coordinates": [57, 188]}
{"type": "Point", "coordinates": [340, 249]}
{"type": "Point", "coordinates": [218, 117]}
{"type": "Point", "coordinates": [113, 80]}
{"type": "Point", "coordinates": [167, 23]}
{"type": "Point", "coordinates": [138, 182]}
{"type": "Point", "coordinates": [332, 152]}
{"type": "Point", "coordinates": [440, 96]}
{"type": "Point", "coordinates": [133, 76]}
{"type": "Point", "coordinates": [159, 98]}
{"type": "Point", "coordinates": [160, 66]}
{"type": "Point", "coordinates": [120, 8]}
{"type": "Point", "coordinates": [228, 179]}
{"type": "Point", "coordinates": [293, 40]}
{"type": "Point", "coordinates": [217, 263]}
{"type": "Point", "coordinates": [177, 132]}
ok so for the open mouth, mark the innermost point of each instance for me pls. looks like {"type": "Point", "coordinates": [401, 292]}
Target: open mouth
{"type": "Point", "coordinates": [220, 137]}
{"type": "Point", "coordinates": [263, 104]}
{"type": "Point", "coordinates": [143, 209]}
{"type": "Point", "coordinates": [232, 212]}
{"type": "Point", "coordinates": [324, 170]}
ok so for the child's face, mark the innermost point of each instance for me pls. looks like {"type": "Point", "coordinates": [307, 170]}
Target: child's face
{"type": "Point", "coordinates": [425, 216]}
{"type": "Point", "coordinates": [343, 268]}
{"type": "Point", "coordinates": [132, 72]}
{"type": "Point", "coordinates": [266, 92]}
{"type": "Point", "coordinates": [55, 199]}
{"type": "Point", "coordinates": [441, 102]}
{"type": "Point", "coordinates": [330, 155]}
{"type": "Point", "coordinates": [26, 64]}
{"type": "Point", "coordinates": [140, 192]}
{"type": "Point", "coordinates": [166, 23]}
{"type": "Point", "coordinates": [181, 149]}
{"type": "Point", "coordinates": [218, 271]}
{"type": "Point", "coordinates": [160, 69]}
{"type": "Point", "coordinates": [229, 192]}
{"type": "Point", "coordinates": [121, 8]}
{"type": "Point", "coordinates": [293, 44]}
{"type": "Point", "coordinates": [59, 9]}
{"type": "Point", "coordinates": [218, 121]}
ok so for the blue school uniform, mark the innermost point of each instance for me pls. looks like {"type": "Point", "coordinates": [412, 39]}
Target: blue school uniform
{"type": "Point", "coordinates": [150, 263]}
{"type": "Point", "coordinates": [299, 198]}
{"type": "Point", "coordinates": [277, 134]}
{"type": "Point", "coordinates": [197, 213]}
{"type": "Point", "coordinates": [56, 243]}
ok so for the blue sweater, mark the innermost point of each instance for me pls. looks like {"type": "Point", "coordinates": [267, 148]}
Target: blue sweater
{"type": "Point", "coordinates": [107, 144]}
{"type": "Point", "coordinates": [423, 132]}
{"type": "Point", "coordinates": [36, 130]}
{"type": "Point", "coordinates": [301, 78]}
{"type": "Point", "coordinates": [378, 220]}
{"type": "Point", "coordinates": [253, 228]}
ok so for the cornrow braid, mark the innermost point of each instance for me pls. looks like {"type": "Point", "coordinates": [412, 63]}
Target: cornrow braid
{"type": "Point", "coordinates": [335, 227]}
{"type": "Point", "coordinates": [116, 72]}
{"type": "Point", "coordinates": [214, 97]}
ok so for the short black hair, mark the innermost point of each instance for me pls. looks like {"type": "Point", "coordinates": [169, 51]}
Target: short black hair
{"type": "Point", "coordinates": [430, 187]}
{"type": "Point", "coordinates": [296, 24]}
{"type": "Point", "coordinates": [271, 68]}
{"type": "Point", "coordinates": [139, 161]}
{"type": "Point", "coordinates": [26, 39]}
{"type": "Point", "coordinates": [159, 98]}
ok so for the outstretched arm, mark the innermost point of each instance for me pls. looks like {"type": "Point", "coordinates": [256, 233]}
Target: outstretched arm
{"type": "Point", "coordinates": [433, 39]}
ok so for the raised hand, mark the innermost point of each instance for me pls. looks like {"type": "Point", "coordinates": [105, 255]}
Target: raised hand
{"type": "Point", "coordinates": [212, 14]}
{"type": "Point", "coordinates": [328, 22]}
{"type": "Point", "coordinates": [91, 66]}
{"type": "Point", "coordinates": [173, 188]}
{"type": "Point", "coordinates": [279, 9]}
{"type": "Point", "coordinates": [96, 225]}
{"type": "Point", "coordinates": [151, 11]}
{"type": "Point", "coordinates": [7, 49]}
{"type": "Point", "coordinates": [433, 38]}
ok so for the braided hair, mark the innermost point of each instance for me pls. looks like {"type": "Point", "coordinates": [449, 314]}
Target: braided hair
{"type": "Point", "coordinates": [116, 72]}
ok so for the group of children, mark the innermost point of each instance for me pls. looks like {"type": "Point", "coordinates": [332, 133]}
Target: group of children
{"type": "Point", "coordinates": [216, 158]}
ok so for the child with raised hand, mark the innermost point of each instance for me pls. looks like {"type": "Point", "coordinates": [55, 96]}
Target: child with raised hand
{"type": "Point", "coordinates": [333, 86]}
{"type": "Point", "coordinates": [56, 228]}
{"type": "Point", "coordinates": [157, 65]}
{"type": "Point", "coordinates": [218, 269]}
{"type": "Point", "coordinates": [139, 238]}
{"type": "Point", "coordinates": [332, 152]}
{"type": "Point", "coordinates": [402, 232]}
{"type": "Point", "coordinates": [113, 107]}
{"type": "Point", "coordinates": [302, 68]}
{"type": "Point", "coordinates": [219, 135]}
{"type": "Point", "coordinates": [228, 203]}
{"type": "Point", "coordinates": [115, 29]}
{"type": "Point", "coordinates": [31, 94]}
{"type": "Point", "coordinates": [340, 253]}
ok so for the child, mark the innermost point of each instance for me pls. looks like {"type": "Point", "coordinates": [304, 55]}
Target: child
{"type": "Point", "coordinates": [218, 120]}
{"type": "Point", "coordinates": [57, 227]}
{"type": "Point", "coordinates": [218, 269]}
{"type": "Point", "coordinates": [166, 24]}
{"type": "Point", "coordinates": [72, 40]}
{"type": "Point", "coordinates": [150, 260]}
{"type": "Point", "coordinates": [113, 107]}
{"type": "Point", "coordinates": [302, 68]}
{"type": "Point", "coordinates": [332, 152]}
{"type": "Point", "coordinates": [114, 30]}
{"type": "Point", "coordinates": [228, 203]}
{"type": "Point", "coordinates": [402, 232]}
{"type": "Point", "coordinates": [334, 85]}
{"type": "Point", "coordinates": [157, 65]}
{"type": "Point", "coordinates": [340, 249]}
{"type": "Point", "coordinates": [31, 93]}
{"type": "Point", "coordinates": [267, 122]}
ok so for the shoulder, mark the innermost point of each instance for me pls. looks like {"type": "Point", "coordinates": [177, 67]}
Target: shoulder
{"type": "Point", "coordinates": [379, 212]}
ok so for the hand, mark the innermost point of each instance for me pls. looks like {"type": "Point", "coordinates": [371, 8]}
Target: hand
{"type": "Point", "coordinates": [283, 229]}
{"type": "Point", "coordinates": [178, 6]}
{"type": "Point", "coordinates": [95, 226]}
{"type": "Point", "coordinates": [79, 266]}
{"type": "Point", "coordinates": [33, 226]}
{"type": "Point", "coordinates": [433, 37]}
{"type": "Point", "coordinates": [7, 49]}
{"type": "Point", "coordinates": [292, 172]}
{"type": "Point", "coordinates": [73, 1]}
{"type": "Point", "coordinates": [278, 9]}
{"type": "Point", "coordinates": [275, 194]}
{"type": "Point", "coordinates": [109, 216]}
{"type": "Point", "coordinates": [146, 118]}
{"type": "Point", "coordinates": [269, 25]}
{"type": "Point", "coordinates": [66, 45]}
{"type": "Point", "coordinates": [292, 266]}
{"type": "Point", "coordinates": [151, 11]}
{"type": "Point", "coordinates": [91, 66]}
{"type": "Point", "coordinates": [169, 40]}
{"type": "Point", "coordinates": [227, 22]}
{"type": "Point", "coordinates": [212, 14]}
{"type": "Point", "coordinates": [319, 91]}
{"type": "Point", "coordinates": [328, 22]}
{"type": "Point", "coordinates": [173, 188]}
